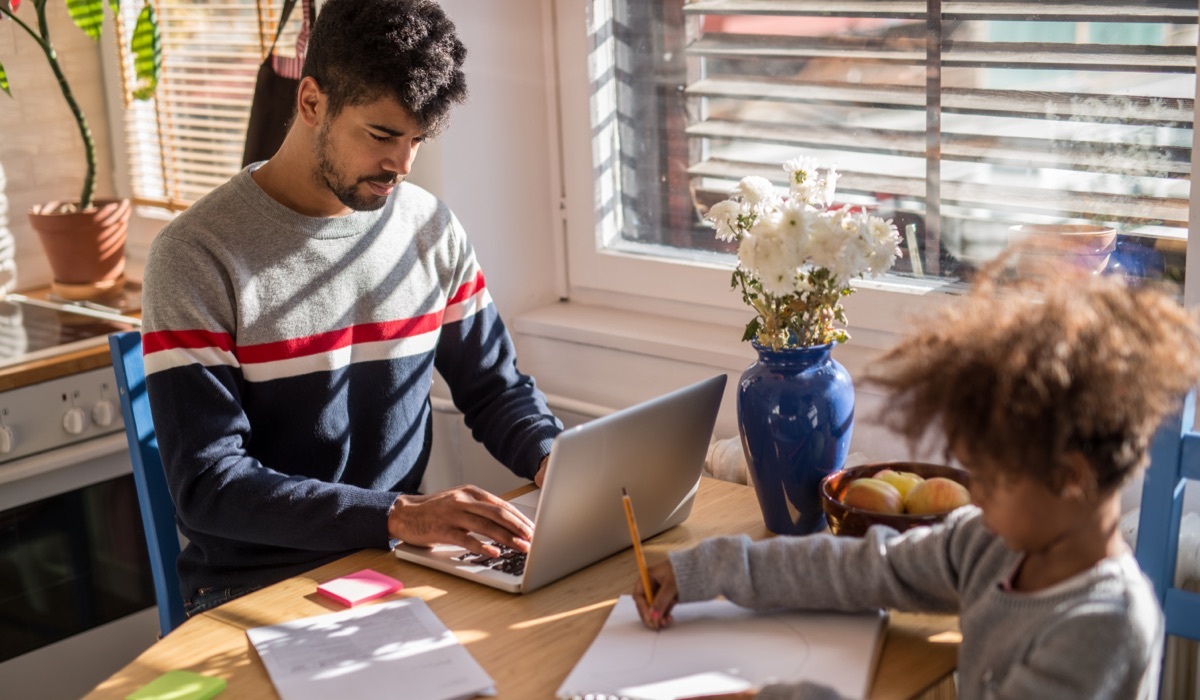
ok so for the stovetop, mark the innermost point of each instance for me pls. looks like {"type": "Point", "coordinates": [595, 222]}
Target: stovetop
{"type": "Point", "coordinates": [30, 332]}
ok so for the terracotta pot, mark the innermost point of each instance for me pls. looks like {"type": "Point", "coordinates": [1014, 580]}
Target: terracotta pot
{"type": "Point", "coordinates": [86, 249]}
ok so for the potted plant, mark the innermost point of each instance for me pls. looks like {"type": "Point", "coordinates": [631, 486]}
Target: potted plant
{"type": "Point", "coordinates": [84, 239]}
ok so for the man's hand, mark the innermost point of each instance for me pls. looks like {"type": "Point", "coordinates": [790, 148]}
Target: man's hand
{"type": "Point", "coordinates": [541, 472]}
{"type": "Point", "coordinates": [449, 516]}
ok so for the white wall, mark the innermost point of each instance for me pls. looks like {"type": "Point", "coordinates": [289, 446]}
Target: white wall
{"type": "Point", "coordinates": [41, 151]}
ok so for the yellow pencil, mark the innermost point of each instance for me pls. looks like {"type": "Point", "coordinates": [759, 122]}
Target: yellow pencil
{"type": "Point", "coordinates": [637, 546]}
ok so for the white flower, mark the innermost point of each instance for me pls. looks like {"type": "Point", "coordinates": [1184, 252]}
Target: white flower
{"type": "Point", "coordinates": [774, 262]}
{"type": "Point", "coordinates": [827, 240]}
{"type": "Point", "coordinates": [723, 216]}
{"type": "Point", "coordinates": [806, 183]}
{"type": "Point", "coordinates": [756, 191]}
{"type": "Point", "coordinates": [885, 244]}
{"type": "Point", "coordinates": [796, 222]}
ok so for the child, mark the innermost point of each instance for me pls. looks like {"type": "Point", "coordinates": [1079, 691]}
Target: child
{"type": "Point", "coordinates": [1048, 393]}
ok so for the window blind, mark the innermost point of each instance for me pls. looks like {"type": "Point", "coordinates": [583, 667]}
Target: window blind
{"type": "Point", "coordinates": [960, 119]}
{"type": "Point", "coordinates": [189, 138]}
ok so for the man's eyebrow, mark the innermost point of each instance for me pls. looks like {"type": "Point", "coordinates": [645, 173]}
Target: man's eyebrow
{"type": "Point", "coordinates": [387, 130]}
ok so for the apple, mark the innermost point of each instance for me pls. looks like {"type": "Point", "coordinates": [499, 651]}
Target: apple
{"type": "Point", "coordinates": [875, 495]}
{"type": "Point", "coordinates": [936, 495]}
{"type": "Point", "coordinates": [903, 481]}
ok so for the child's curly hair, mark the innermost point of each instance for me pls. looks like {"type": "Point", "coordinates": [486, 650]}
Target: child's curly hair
{"type": "Point", "coordinates": [1025, 374]}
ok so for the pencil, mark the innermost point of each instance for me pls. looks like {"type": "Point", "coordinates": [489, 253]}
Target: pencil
{"type": "Point", "coordinates": [637, 546]}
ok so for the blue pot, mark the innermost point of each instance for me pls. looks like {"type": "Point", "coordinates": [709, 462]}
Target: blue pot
{"type": "Point", "coordinates": [796, 415]}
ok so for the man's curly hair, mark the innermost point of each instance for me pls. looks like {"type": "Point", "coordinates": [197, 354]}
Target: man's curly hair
{"type": "Point", "coordinates": [1027, 373]}
{"type": "Point", "coordinates": [362, 50]}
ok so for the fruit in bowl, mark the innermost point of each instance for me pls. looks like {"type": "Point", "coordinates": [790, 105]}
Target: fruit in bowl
{"type": "Point", "coordinates": [917, 493]}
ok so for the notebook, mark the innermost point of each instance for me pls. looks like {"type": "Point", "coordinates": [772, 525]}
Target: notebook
{"type": "Point", "coordinates": [655, 450]}
{"type": "Point", "coordinates": [717, 647]}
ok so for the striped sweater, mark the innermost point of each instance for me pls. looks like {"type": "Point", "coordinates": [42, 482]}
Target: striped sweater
{"type": "Point", "coordinates": [289, 361]}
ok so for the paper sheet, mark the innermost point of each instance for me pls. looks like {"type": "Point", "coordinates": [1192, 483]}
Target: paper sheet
{"type": "Point", "coordinates": [715, 646]}
{"type": "Point", "coordinates": [379, 650]}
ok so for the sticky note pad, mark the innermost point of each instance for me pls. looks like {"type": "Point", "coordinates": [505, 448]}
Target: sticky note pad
{"type": "Point", "coordinates": [179, 685]}
{"type": "Point", "coordinates": [359, 587]}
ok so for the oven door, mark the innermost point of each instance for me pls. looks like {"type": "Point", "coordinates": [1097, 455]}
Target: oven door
{"type": "Point", "coordinates": [76, 594]}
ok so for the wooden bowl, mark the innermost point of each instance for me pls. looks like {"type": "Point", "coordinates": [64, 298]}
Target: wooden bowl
{"type": "Point", "coordinates": [851, 521]}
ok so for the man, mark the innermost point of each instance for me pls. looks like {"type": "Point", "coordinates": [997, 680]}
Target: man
{"type": "Point", "coordinates": [294, 316]}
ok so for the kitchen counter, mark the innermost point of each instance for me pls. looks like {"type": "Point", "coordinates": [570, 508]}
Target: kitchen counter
{"type": "Point", "coordinates": [79, 355]}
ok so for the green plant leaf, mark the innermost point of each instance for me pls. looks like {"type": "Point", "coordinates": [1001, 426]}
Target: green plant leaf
{"type": "Point", "coordinates": [4, 81]}
{"type": "Point", "coordinates": [88, 15]}
{"type": "Point", "coordinates": [147, 53]}
{"type": "Point", "coordinates": [115, 6]}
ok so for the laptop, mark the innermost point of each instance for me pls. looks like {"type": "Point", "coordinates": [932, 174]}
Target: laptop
{"type": "Point", "coordinates": [655, 450]}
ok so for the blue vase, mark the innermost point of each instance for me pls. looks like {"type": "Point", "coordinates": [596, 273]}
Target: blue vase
{"type": "Point", "coordinates": [795, 414]}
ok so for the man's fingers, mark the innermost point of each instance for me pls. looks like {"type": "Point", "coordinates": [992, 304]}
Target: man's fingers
{"type": "Point", "coordinates": [500, 512]}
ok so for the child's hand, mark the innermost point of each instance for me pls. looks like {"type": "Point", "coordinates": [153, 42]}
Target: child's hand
{"type": "Point", "coordinates": [662, 578]}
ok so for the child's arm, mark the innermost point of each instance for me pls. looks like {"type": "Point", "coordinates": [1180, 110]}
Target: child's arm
{"type": "Point", "coordinates": [918, 570]}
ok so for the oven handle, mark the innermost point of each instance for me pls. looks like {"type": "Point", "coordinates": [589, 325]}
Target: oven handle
{"type": "Point", "coordinates": [61, 457]}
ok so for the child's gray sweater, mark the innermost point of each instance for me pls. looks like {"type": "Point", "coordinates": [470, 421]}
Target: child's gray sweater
{"type": "Point", "coordinates": [1097, 635]}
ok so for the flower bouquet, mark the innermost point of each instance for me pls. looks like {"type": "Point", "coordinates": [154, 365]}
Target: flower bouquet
{"type": "Point", "coordinates": [796, 258]}
{"type": "Point", "coordinates": [796, 255]}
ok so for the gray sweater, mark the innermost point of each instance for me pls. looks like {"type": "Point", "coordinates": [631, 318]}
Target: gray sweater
{"type": "Point", "coordinates": [1098, 635]}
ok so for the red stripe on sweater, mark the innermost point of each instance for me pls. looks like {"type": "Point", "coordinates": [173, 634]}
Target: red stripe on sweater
{"type": "Point", "coordinates": [174, 340]}
{"type": "Point", "coordinates": [313, 344]}
{"type": "Point", "coordinates": [467, 290]}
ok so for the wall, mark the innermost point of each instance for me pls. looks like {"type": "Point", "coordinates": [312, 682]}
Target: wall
{"type": "Point", "coordinates": [41, 151]}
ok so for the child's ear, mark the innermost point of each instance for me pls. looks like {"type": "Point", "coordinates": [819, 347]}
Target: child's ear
{"type": "Point", "coordinates": [1080, 478]}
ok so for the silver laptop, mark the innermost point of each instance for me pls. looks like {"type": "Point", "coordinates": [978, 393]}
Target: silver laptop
{"type": "Point", "coordinates": [655, 450]}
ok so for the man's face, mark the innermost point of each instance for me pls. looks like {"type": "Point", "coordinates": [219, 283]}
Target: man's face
{"type": "Point", "coordinates": [365, 151]}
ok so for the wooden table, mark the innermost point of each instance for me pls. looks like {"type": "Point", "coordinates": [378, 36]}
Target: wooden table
{"type": "Point", "coordinates": [527, 643]}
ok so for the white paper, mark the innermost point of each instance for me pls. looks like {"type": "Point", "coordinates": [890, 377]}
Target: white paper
{"type": "Point", "coordinates": [716, 646]}
{"type": "Point", "coordinates": [393, 649]}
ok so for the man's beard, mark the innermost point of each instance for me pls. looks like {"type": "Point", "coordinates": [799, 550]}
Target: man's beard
{"type": "Point", "coordinates": [349, 195]}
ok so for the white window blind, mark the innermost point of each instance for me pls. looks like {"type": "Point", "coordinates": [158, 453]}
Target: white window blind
{"type": "Point", "coordinates": [189, 138]}
{"type": "Point", "coordinates": [960, 119]}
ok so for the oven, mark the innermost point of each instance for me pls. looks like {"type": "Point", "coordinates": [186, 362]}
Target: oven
{"type": "Point", "coordinates": [76, 594]}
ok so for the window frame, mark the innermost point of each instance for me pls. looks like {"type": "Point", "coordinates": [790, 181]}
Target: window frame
{"type": "Point", "coordinates": [701, 290]}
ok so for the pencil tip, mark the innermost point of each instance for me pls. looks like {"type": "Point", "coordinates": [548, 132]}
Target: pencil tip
{"type": "Point", "coordinates": [624, 492]}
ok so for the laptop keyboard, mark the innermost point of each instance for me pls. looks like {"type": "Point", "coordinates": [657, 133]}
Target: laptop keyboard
{"type": "Point", "coordinates": [510, 560]}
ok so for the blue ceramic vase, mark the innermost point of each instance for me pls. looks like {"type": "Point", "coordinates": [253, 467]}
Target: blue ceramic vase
{"type": "Point", "coordinates": [795, 414]}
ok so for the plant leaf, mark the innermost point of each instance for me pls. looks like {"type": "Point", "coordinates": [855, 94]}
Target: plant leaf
{"type": "Point", "coordinates": [4, 81]}
{"type": "Point", "coordinates": [88, 15]}
{"type": "Point", "coordinates": [147, 53]}
{"type": "Point", "coordinates": [115, 6]}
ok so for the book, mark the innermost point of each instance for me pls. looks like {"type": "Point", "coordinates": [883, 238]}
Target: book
{"type": "Point", "coordinates": [718, 647]}
{"type": "Point", "coordinates": [365, 651]}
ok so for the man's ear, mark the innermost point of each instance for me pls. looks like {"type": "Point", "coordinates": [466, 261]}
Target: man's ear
{"type": "Point", "coordinates": [310, 101]}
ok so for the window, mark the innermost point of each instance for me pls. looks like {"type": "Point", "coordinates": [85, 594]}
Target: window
{"type": "Point", "coordinates": [189, 138]}
{"type": "Point", "coordinates": [958, 120]}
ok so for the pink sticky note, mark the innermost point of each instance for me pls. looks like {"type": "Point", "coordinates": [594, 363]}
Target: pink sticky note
{"type": "Point", "coordinates": [359, 587]}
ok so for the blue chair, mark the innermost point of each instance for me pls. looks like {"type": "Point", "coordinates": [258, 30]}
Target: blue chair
{"type": "Point", "coordinates": [158, 511]}
{"type": "Point", "coordinates": [1174, 458]}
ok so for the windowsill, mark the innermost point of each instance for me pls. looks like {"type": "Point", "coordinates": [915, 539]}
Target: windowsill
{"type": "Point", "coordinates": [637, 333]}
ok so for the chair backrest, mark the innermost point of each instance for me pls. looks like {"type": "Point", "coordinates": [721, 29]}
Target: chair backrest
{"type": "Point", "coordinates": [158, 511]}
{"type": "Point", "coordinates": [1174, 458]}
